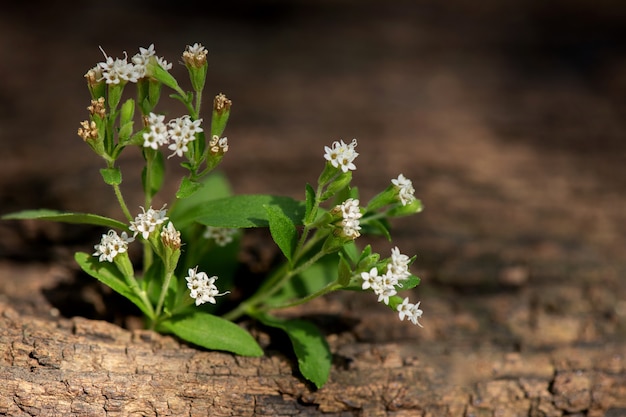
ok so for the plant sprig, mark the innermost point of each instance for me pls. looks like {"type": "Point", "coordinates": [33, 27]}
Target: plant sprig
{"type": "Point", "coordinates": [200, 230]}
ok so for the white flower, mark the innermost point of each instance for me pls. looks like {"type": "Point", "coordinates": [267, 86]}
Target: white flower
{"type": "Point", "coordinates": [142, 58]}
{"type": "Point", "coordinates": [350, 213]}
{"type": "Point", "coordinates": [202, 288]}
{"type": "Point", "coordinates": [399, 265]}
{"type": "Point", "coordinates": [409, 310]}
{"type": "Point", "coordinates": [117, 70]}
{"type": "Point", "coordinates": [370, 279]}
{"type": "Point", "coordinates": [157, 135]}
{"type": "Point", "coordinates": [221, 235]}
{"type": "Point", "coordinates": [341, 155]}
{"type": "Point", "coordinates": [111, 244]}
{"type": "Point", "coordinates": [147, 221]}
{"type": "Point", "coordinates": [406, 192]}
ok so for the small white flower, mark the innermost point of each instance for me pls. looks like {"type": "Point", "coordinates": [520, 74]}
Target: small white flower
{"type": "Point", "coordinates": [370, 279]}
{"type": "Point", "coordinates": [350, 213]}
{"type": "Point", "coordinates": [416, 313]}
{"type": "Point", "coordinates": [202, 288]}
{"type": "Point", "coordinates": [117, 70]}
{"type": "Point", "coordinates": [341, 155]}
{"type": "Point", "coordinates": [409, 310]}
{"type": "Point", "coordinates": [157, 135]}
{"type": "Point", "coordinates": [399, 265]}
{"type": "Point", "coordinates": [147, 221]}
{"type": "Point", "coordinates": [406, 192]}
{"type": "Point", "coordinates": [221, 235]}
{"type": "Point", "coordinates": [385, 287]}
{"type": "Point", "coordinates": [142, 58]}
{"type": "Point", "coordinates": [111, 244]}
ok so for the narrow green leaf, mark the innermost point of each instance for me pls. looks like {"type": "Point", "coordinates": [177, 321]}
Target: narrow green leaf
{"type": "Point", "coordinates": [283, 231]}
{"type": "Point", "coordinates": [64, 217]}
{"type": "Point", "coordinates": [111, 176]}
{"type": "Point", "coordinates": [309, 345]}
{"type": "Point", "coordinates": [242, 211]}
{"type": "Point", "coordinates": [212, 332]}
{"type": "Point", "coordinates": [108, 274]}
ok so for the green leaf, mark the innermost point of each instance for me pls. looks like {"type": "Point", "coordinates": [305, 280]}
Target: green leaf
{"type": "Point", "coordinates": [344, 271]}
{"type": "Point", "coordinates": [377, 226]}
{"type": "Point", "coordinates": [340, 183]}
{"type": "Point", "coordinates": [64, 217]}
{"type": "Point", "coordinates": [212, 332]}
{"type": "Point", "coordinates": [283, 231]}
{"type": "Point", "coordinates": [187, 188]}
{"type": "Point", "coordinates": [309, 345]}
{"type": "Point", "coordinates": [411, 282]}
{"type": "Point", "coordinates": [108, 274]}
{"type": "Point", "coordinates": [214, 186]}
{"type": "Point", "coordinates": [414, 207]}
{"type": "Point", "coordinates": [242, 211]}
{"type": "Point", "coordinates": [111, 176]}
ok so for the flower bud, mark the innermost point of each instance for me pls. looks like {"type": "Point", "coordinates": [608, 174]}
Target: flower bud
{"type": "Point", "coordinates": [221, 112]}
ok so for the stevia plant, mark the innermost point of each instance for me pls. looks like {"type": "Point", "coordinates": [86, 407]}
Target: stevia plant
{"type": "Point", "coordinates": [201, 228]}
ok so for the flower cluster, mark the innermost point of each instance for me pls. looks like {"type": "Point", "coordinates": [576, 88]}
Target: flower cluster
{"type": "Point", "coordinates": [384, 286]}
{"type": "Point", "coordinates": [221, 235]}
{"type": "Point", "coordinates": [147, 221]}
{"type": "Point", "coordinates": [118, 70]}
{"type": "Point", "coordinates": [111, 244]}
{"type": "Point", "coordinates": [342, 155]}
{"type": "Point", "coordinates": [202, 288]}
{"type": "Point", "coordinates": [218, 145]}
{"type": "Point", "coordinates": [179, 132]}
{"type": "Point", "coordinates": [406, 192]}
{"type": "Point", "coordinates": [350, 215]}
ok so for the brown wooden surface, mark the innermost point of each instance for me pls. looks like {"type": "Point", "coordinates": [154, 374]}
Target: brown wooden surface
{"type": "Point", "coordinates": [509, 118]}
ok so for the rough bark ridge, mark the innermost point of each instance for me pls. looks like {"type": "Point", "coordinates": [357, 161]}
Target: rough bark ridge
{"type": "Point", "coordinates": [94, 368]}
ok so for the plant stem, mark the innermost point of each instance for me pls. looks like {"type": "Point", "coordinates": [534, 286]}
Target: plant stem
{"type": "Point", "coordinates": [120, 200]}
{"type": "Point", "coordinates": [274, 283]}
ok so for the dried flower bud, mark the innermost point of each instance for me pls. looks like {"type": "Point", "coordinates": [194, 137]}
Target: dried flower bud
{"type": "Point", "coordinates": [97, 108]}
{"type": "Point", "coordinates": [88, 130]}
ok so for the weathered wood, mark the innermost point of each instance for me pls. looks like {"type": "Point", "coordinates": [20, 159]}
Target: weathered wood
{"type": "Point", "coordinates": [59, 367]}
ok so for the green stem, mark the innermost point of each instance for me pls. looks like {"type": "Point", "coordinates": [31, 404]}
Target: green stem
{"type": "Point", "coordinates": [120, 200]}
{"type": "Point", "coordinates": [274, 283]}
{"type": "Point", "coordinates": [164, 287]}
{"type": "Point", "coordinates": [333, 286]}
